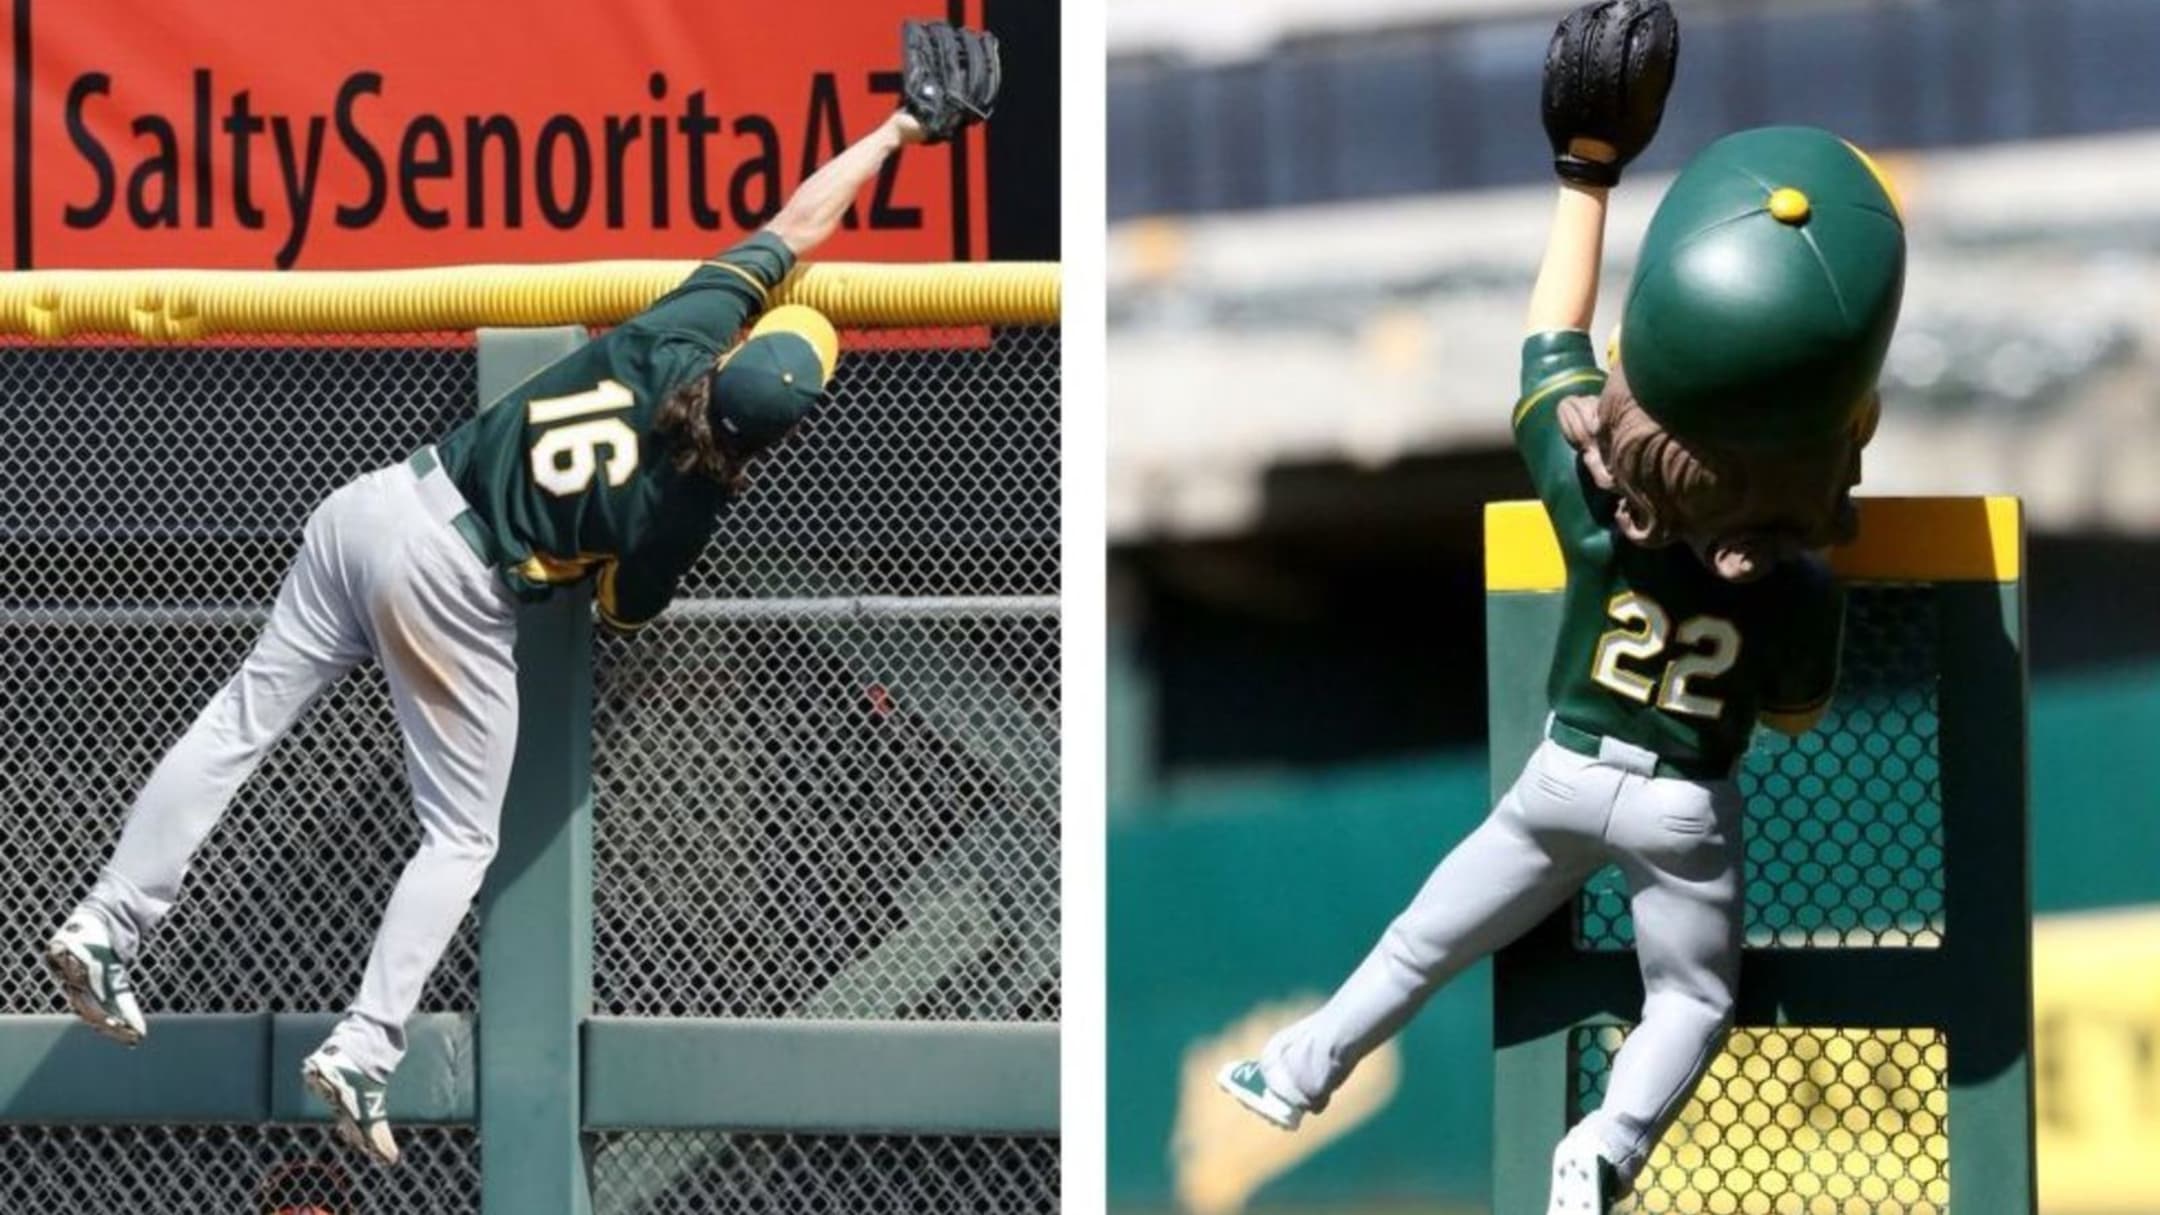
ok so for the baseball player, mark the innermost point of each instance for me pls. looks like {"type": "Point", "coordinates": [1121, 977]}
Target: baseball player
{"type": "Point", "coordinates": [613, 465]}
{"type": "Point", "coordinates": [1692, 488]}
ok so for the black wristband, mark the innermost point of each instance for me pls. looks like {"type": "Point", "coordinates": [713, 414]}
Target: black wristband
{"type": "Point", "coordinates": [1586, 172]}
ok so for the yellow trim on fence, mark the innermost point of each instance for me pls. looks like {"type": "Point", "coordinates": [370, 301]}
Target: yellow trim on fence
{"type": "Point", "coordinates": [1901, 540]}
{"type": "Point", "coordinates": [1935, 540]}
{"type": "Point", "coordinates": [182, 305]}
{"type": "Point", "coordinates": [1521, 551]}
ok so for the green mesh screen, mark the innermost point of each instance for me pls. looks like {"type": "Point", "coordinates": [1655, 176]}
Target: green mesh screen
{"type": "Point", "coordinates": [1844, 826]}
{"type": "Point", "coordinates": [715, 1173]}
{"type": "Point", "coordinates": [1796, 1122]}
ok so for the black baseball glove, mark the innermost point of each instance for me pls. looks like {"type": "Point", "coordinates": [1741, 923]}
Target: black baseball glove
{"type": "Point", "coordinates": [1607, 72]}
{"type": "Point", "coordinates": [949, 76]}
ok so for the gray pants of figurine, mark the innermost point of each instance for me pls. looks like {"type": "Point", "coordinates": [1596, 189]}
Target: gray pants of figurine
{"type": "Point", "coordinates": [382, 573]}
{"type": "Point", "coordinates": [1678, 844]}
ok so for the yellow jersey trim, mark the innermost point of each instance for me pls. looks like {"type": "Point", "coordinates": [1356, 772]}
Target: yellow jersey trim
{"type": "Point", "coordinates": [617, 623]}
{"type": "Point", "coordinates": [545, 567]}
{"type": "Point", "coordinates": [1795, 720]}
{"type": "Point", "coordinates": [1793, 725]}
{"type": "Point", "coordinates": [764, 292]}
{"type": "Point", "coordinates": [1901, 540]}
{"type": "Point", "coordinates": [1528, 403]}
{"type": "Point", "coordinates": [604, 601]}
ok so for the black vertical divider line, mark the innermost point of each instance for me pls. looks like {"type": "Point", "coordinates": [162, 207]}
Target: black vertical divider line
{"type": "Point", "coordinates": [22, 134]}
{"type": "Point", "coordinates": [963, 247]}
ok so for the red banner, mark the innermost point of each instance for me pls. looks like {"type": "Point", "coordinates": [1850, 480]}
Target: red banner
{"type": "Point", "coordinates": [306, 134]}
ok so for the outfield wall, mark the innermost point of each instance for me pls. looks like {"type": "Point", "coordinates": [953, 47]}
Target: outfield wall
{"type": "Point", "coordinates": [1230, 905]}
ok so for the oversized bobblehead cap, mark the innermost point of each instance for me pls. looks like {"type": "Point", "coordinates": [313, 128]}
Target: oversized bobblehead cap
{"type": "Point", "coordinates": [1766, 290]}
{"type": "Point", "coordinates": [767, 384]}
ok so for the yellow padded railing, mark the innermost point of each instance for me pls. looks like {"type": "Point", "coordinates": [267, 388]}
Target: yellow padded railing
{"type": "Point", "coordinates": [183, 305]}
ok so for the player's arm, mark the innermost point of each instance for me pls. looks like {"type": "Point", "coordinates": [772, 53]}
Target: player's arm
{"type": "Point", "coordinates": [1804, 679]}
{"type": "Point", "coordinates": [1558, 361]}
{"type": "Point", "coordinates": [814, 211]}
{"type": "Point", "coordinates": [720, 296]}
{"type": "Point", "coordinates": [638, 585]}
{"type": "Point", "coordinates": [1565, 295]}
{"type": "Point", "coordinates": [706, 310]}
{"type": "Point", "coordinates": [1607, 71]}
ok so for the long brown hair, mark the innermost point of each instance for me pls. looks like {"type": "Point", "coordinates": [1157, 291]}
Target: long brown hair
{"type": "Point", "coordinates": [1715, 495]}
{"type": "Point", "coordinates": [685, 424]}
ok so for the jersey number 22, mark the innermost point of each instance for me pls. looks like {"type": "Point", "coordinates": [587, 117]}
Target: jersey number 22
{"type": "Point", "coordinates": [566, 456]}
{"type": "Point", "coordinates": [1645, 630]}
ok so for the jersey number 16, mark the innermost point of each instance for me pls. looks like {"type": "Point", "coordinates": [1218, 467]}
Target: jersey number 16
{"type": "Point", "coordinates": [1645, 630]}
{"type": "Point", "coordinates": [566, 456]}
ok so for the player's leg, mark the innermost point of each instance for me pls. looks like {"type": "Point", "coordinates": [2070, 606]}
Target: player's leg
{"type": "Point", "coordinates": [445, 632]}
{"type": "Point", "coordinates": [1681, 847]}
{"type": "Point", "coordinates": [1534, 850]}
{"type": "Point", "coordinates": [310, 639]}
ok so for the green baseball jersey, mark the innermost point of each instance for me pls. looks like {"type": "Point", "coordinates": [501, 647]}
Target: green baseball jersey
{"type": "Point", "coordinates": [565, 473]}
{"type": "Point", "coordinates": [1654, 649]}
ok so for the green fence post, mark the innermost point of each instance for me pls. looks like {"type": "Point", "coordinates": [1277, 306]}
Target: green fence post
{"type": "Point", "coordinates": [536, 908]}
{"type": "Point", "coordinates": [1988, 944]}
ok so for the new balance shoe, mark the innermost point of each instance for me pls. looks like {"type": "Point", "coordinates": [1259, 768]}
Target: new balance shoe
{"type": "Point", "coordinates": [81, 956]}
{"type": "Point", "coordinates": [360, 1104]}
{"type": "Point", "coordinates": [1583, 1181]}
{"type": "Point", "coordinates": [1243, 1081]}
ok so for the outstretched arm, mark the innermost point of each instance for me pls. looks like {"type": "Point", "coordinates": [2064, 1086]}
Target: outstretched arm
{"type": "Point", "coordinates": [1607, 71]}
{"type": "Point", "coordinates": [813, 212]}
{"type": "Point", "coordinates": [702, 315]}
{"type": "Point", "coordinates": [1565, 296]}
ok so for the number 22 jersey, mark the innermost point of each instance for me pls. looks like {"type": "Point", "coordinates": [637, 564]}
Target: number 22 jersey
{"type": "Point", "coordinates": [1654, 649]}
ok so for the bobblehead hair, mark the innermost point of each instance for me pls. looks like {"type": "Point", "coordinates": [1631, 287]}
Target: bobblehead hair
{"type": "Point", "coordinates": [1741, 508]}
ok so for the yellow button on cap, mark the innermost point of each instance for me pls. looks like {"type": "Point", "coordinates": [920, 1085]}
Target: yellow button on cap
{"type": "Point", "coordinates": [1789, 205]}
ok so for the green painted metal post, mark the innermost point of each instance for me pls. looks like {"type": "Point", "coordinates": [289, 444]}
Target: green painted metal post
{"type": "Point", "coordinates": [1531, 1065]}
{"type": "Point", "coordinates": [536, 909]}
{"type": "Point", "coordinates": [1988, 908]}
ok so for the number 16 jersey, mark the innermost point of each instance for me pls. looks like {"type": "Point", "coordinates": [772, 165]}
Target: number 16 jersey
{"type": "Point", "coordinates": [1654, 649]}
{"type": "Point", "coordinates": [565, 472]}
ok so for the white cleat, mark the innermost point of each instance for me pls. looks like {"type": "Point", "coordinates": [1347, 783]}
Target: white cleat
{"type": "Point", "coordinates": [81, 956]}
{"type": "Point", "coordinates": [1583, 1181]}
{"type": "Point", "coordinates": [1243, 1081]}
{"type": "Point", "coordinates": [360, 1104]}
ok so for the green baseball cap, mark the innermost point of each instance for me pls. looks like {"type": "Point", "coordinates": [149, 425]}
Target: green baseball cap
{"type": "Point", "coordinates": [1766, 290]}
{"type": "Point", "coordinates": [763, 387]}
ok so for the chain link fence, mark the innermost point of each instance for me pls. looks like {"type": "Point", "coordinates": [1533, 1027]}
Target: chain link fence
{"type": "Point", "coordinates": [826, 783]}
{"type": "Point", "coordinates": [155, 498]}
{"type": "Point", "coordinates": [232, 1170]}
{"type": "Point", "coordinates": [865, 668]}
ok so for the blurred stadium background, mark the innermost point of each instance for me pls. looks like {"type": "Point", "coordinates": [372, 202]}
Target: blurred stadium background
{"type": "Point", "coordinates": [1325, 215]}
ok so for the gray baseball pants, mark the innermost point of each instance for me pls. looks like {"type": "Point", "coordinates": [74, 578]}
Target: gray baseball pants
{"type": "Point", "coordinates": [1678, 844]}
{"type": "Point", "coordinates": [381, 573]}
